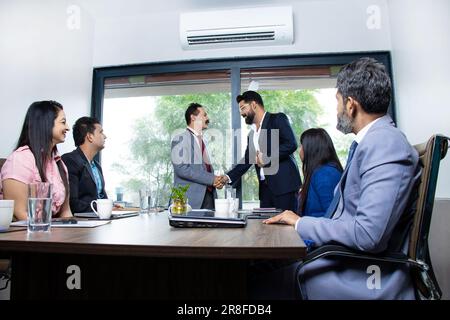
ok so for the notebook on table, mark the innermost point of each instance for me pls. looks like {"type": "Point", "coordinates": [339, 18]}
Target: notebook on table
{"type": "Point", "coordinates": [260, 213]}
{"type": "Point", "coordinates": [205, 219]}
{"type": "Point", "coordinates": [114, 215]}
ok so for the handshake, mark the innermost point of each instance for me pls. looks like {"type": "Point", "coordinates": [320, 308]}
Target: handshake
{"type": "Point", "coordinates": [220, 181]}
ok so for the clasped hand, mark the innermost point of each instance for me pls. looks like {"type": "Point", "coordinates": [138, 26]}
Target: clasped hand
{"type": "Point", "coordinates": [220, 181]}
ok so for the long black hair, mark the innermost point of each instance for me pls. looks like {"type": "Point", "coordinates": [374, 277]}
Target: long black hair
{"type": "Point", "coordinates": [318, 149]}
{"type": "Point", "coordinates": [37, 134]}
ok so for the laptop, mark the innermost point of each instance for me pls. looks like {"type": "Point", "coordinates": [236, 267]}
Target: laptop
{"type": "Point", "coordinates": [205, 219]}
{"type": "Point", "coordinates": [114, 215]}
{"type": "Point", "coordinates": [260, 213]}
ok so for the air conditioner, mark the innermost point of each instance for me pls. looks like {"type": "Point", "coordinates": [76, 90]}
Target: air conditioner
{"type": "Point", "coordinates": [237, 27]}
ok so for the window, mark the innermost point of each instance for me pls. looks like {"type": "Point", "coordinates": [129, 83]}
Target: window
{"type": "Point", "coordinates": [141, 114]}
{"type": "Point", "coordinates": [141, 107]}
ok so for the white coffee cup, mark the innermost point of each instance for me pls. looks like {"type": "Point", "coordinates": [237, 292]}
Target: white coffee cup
{"type": "Point", "coordinates": [104, 208]}
{"type": "Point", "coordinates": [6, 213]}
{"type": "Point", "coordinates": [222, 207]}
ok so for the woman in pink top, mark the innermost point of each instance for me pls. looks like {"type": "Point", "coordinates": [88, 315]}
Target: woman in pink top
{"type": "Point", "coordinates": [36, 159]}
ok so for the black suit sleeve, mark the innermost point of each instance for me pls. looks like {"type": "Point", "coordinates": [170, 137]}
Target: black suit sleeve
{"type": "Point", "coordinates": [75, 170]}
{"type": "Point", "coordinates": [242, 167]}
{"type": "Point", "coordinates": [288, 143]}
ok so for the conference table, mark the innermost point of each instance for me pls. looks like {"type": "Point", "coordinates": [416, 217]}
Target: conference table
{"type": "Point", "coordinates": [143, 257]}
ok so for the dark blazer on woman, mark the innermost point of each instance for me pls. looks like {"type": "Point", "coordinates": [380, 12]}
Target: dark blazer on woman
{"type": "Point", "coordinates": [321, 189]}
{"type": "Point", "coordinates": [81, 181]}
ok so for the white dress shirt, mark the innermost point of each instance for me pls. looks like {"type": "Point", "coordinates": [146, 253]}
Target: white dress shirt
{"type": "Point", "coordinates": [256, 134]}
{"type": "Point", "coordinates": [199, 135]}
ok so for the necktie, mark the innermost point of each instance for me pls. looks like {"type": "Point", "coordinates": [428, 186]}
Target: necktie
{"type": "Point", "coordinates": [205, 159]}
{"type": "Point", "coordinates": [97, 180]}
{"type": "Point", "coordinates": [337, 195]}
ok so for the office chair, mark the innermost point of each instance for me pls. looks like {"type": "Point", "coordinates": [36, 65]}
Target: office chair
{"type": "Point", "coordinates": [5, 271]}
{"type": "Point", "coordinates": [417, 226]}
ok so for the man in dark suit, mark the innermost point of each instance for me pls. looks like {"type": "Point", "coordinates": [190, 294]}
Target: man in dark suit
{"type": "Point", "coordinates": [270, 147]}
{"type": "Point", "coordinates": [85, 174]}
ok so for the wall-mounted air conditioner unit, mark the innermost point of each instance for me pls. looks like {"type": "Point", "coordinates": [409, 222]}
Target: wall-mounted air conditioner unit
{"type": "Point", "coordinates": [237, 27]}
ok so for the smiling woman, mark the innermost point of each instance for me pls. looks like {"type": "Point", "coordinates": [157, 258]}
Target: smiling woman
{"type": "Point", "coordinates": [36, 159]}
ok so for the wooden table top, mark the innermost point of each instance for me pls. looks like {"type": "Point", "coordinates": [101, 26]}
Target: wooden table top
{"type": "Point", "coordinates": [150, 235]}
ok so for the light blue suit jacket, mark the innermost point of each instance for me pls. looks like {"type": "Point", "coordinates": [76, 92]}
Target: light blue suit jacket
{"type": "Point", "coordinates": [188, 168]}
{"type": "Point", "coordinates": [379, 181]}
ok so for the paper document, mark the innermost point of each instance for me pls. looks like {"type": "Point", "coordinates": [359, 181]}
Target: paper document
{"type": "Point", "coordinates": [79, 224]}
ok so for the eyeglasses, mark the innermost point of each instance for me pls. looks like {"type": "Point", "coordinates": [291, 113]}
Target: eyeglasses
{"type": "Point", "coordinates": [245, 105]}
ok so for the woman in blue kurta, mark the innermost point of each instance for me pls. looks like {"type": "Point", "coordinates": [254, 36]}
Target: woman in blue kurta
{"type": "Point", "coordinates": [321, 171]}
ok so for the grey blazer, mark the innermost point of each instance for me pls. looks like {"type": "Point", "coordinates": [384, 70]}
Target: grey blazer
{"type": "Point", "coordinates": [379, 181]}
{"type": "Point", "coordinates": [188, 168]}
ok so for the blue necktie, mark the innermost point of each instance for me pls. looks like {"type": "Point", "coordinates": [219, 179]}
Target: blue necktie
{"type": "Point", "coordinates": [337, 196]}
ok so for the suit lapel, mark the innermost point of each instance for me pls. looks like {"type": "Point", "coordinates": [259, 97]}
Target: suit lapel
{"type": "Point", "coordinates": [86, 164]}
{"type": "Point", "coordinates": [196, 153]}
{"type": "Point", "coordinates": [264, 137]}
{"type": "Point", "coordinates": [384, 121]}
{"type": "Point", "coordinates": [196, 150]}
{"type": "Point", "coordinates": [264, 125]}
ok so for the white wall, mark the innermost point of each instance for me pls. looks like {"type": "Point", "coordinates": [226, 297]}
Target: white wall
{"type": "Point", "coordinates": [42, 59]}
{"type": "Point", "coordinates": [151, 33]}
{"type": "Point", "coordinates": [420, 39]}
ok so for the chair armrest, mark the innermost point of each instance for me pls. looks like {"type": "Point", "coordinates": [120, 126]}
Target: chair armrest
{"type": "Point", "coordinates": [4, 265]}
{"type": "Point", "coordinates": [338, 250]}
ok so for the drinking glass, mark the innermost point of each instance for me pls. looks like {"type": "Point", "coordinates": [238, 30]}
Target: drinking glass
{"type": "Point", "coordinates": [39, 207]}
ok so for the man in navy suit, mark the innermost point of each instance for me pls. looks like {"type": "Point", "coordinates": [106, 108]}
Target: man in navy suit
{"type": "Point", "coordinates": [270, 147]}
{"type": "Point", "coordinates": [85, 174]}
{"type": "Point", "coordinates": [373, 196]}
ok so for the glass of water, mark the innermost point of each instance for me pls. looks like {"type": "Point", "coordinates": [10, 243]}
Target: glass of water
{"type": "Point", "coordinates": [144, 200]}
{"type": "Point", "coordinates": [39, 207]}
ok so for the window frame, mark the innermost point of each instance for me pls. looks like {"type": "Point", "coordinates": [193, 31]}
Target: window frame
{"type": "Point", "coordinates": [234, 65]}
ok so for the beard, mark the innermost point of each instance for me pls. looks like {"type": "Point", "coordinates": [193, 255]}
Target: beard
{"type": "Point", "coordinates": [344, 123]}
{"type": "Point", "coordinates": [249, 117]}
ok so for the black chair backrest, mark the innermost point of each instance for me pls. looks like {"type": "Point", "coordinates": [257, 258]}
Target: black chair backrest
{"type": "Point", "coordinates": [430, 154]}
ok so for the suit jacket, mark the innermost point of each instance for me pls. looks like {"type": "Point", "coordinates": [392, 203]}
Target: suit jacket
{"type": "Point", "coordinates": [321, 190]}
{"type": "Point", "coordinates": [376, 198]}
{"type": "Point", "coordinates": [81, 181]}
{"type": "Point", "coordinates": [281, 171]}
{"type": "Point", "coordinates": [188, 168]}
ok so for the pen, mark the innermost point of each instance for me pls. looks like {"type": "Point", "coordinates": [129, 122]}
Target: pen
{"type": "Point", "coordinates": [65, 221]}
